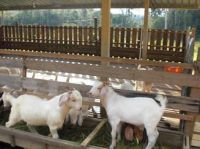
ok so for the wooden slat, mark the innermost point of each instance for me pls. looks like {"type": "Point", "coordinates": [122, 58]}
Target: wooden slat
{"type": "Point", "coordinates": [47, 34]}
{"type": "Point", "coordinates": [80, 32]}
{"type": "Point", "coordinates": [165, 39]}
{"type": "Point", "coordinates": [128, 35]}
{"type": "Point", "coordinates": [184, 39]}
{"type": "Point", "coordinates": [178, 40]}
{"type": "Point", "coordinates": [75, 35]}
{"type": "Point", "coordinates": [21, 33]}
{"type": "Point", "coordinates": [34, 33]}
{"type": "Point", "coordinates": [65, 35]}
{"type": "Point", "coordinates": [43, 34]}
{"type": "Point", "coordinates": [9, 33]}
{"type": "Point", "coordinates": [56, 34]}
{"type": "Point", "coordinates": [152, 39]}
{"type": "Point", "coordinates": [30, 33]}
{"type": "Point", "coordinates": [134, 35]}
{"type": "Point", "coordinates": [179, 116]}
{"type": "Point", "coordinates": [61, 34]}
{"type": "Point", "coordinates": [17, 32]}
{"type": "Point", "coordinates": [122, 31]}
{"type": "Point", "coordinates": [14, 33]}
{"type": "Point", "coordinates": [171, 40]}
{"type": "Point", "coordinates": [139, 32]}
{"type": "Point", "coordinates": [70, 34]}
{"type": "Point", "coordinates": [93, 133]}
{"type": "Point", "coordinates": [111, 36]}
{"type": "Point", "coordinates": [90, 36]}
{"type": "Point", "coordinates": [26, 139]}
{"type": "Point", "coordinates": [99, 33]}
{"type": "Point", "coordinates": [116, 37]}
{"type": "Point", "coordinates": [38, 33]}
{"type": "Point", "coordinates": [52, 35]}
{"type": "Point", "coordinates": [85, 35]}
{"type": "Point", "coordinates": [1, 35]}
{"type": "Point", "coordinates": [25, 32]}
{"type": "Point", "coordinates": [158, 42]}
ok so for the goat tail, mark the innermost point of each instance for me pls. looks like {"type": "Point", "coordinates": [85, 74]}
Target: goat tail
{"type": "Point", "coordinates": [163, 101]}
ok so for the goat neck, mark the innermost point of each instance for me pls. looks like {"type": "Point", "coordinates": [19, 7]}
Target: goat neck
{"type": "Point", "coordinates": [106, 98]}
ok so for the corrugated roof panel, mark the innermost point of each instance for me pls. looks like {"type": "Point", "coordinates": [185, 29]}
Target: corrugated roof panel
{"type": "Point", "coordinates": [61, 4]}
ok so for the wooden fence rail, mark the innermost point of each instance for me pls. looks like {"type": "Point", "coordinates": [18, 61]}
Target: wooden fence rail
{"type": "Point", "coordinates": [125, 42]}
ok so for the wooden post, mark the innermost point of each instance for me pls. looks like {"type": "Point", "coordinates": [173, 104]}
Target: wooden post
{"type": "Point", "coordinates": [105, 37]}
{"type": "Point", "coordinates": [194, 92]}
{"type": "Point", "coordinates": [105, 33]}
{"type": "Point", "coordinates": [145, 30]}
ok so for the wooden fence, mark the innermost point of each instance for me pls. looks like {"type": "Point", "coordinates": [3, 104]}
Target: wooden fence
{"type": "Point", "coordinates": [91, 65]}
{"type": "Point", "coordinates": [125, 42]}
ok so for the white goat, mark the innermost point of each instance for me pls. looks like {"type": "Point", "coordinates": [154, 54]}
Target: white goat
{"type": "Point", "coordinates": [37, 111]}
{"type": "Point", "coordinates": [75, 116]}
{"type": "Point", "coordinates": [137, 111]}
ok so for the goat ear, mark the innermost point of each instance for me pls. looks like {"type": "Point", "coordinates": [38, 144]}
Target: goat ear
{"type": "Point", "coordinates": [64, 98]}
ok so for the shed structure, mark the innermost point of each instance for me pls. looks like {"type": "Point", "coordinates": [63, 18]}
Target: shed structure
{"type": "Point", "coordinates": [106, 30]}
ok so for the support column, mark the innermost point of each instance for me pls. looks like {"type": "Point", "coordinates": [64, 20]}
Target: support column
{"type": "Point", "coordinates": [105, 28]}
{"type": "Point", "coordinates": [105, 38]}
{"type": "Point", "coordinates": [145, 30]}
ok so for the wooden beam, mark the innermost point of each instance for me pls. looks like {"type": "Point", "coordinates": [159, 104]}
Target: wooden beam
{"type": "Point", "coordinates": [145, 30]}
{"type": "Point", "coordinates": [105, 33]}
{"type": "Point", "coordinates": [93, 133]}
{"type": "Point", "coordinates": [115, 72]}
{"type": "Point", "coordinates": [94, 58]}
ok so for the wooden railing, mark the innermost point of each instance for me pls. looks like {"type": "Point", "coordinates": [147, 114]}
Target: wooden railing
{"type": "Point", "coordinates": [125, 42]}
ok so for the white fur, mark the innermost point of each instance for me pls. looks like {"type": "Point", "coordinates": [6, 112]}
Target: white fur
{"type": "Point", "coordinates": [8, 99]}
{"type": "Point", "coordinates": [137, 111]}
{"type": "Point", "coordinates": [75, 116]}
{"type": "Point", "coordinates": [37, 111]}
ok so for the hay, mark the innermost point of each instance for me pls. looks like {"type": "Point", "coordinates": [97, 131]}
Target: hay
{"type": "Point", "coordinates": [77, 134]}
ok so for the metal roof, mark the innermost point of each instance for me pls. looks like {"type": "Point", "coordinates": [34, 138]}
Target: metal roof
{"type": "Point", "coordinates": [62, 4]}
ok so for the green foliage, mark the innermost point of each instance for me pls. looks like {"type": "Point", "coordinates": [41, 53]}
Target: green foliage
{"type": "Point", "coordinates": [158, 23]}
{"type": "Point", "coordinates": [75, 17]}
{"type": "Point", "coordinates": [176, 19]}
